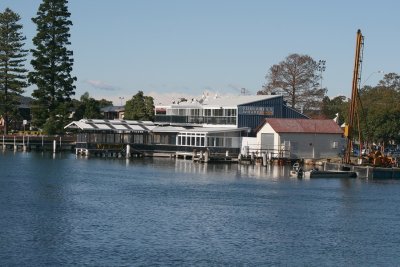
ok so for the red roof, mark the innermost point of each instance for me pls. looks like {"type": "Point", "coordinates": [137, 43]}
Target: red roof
{"type": "Point", "coordinates": [304, 126]}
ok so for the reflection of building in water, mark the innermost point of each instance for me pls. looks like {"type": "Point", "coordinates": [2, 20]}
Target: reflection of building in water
{"type": "Point", "coordinates": [261, 172]}
{"type": "Point", "coordinates": [232, 171]}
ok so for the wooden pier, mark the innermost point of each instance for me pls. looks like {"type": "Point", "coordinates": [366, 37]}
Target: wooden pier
{"type": "Point", "coordinates": [37, 143]}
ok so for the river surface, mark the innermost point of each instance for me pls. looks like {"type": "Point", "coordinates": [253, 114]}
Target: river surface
{"type": "Point", "coordinates": [66, 211]}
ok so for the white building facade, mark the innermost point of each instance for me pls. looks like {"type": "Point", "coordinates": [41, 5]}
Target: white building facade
{"type": "Point", "coordinates": [300, 138]}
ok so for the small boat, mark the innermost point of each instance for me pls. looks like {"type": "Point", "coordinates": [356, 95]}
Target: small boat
{"type": "Point", "coordinates": [329, 174]}
{"type": "Point", "coordinates": [296, 171]}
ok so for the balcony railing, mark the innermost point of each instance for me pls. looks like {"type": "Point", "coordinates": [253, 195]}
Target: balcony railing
{"type": "Point", "coordinates": [196, 120]}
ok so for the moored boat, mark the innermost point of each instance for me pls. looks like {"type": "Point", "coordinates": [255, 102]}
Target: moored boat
{"type": "Point", "coordinates": [329, 174]}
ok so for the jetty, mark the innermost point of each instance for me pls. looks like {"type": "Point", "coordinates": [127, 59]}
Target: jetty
{"type": "Point", "coordinates": [22, 142]}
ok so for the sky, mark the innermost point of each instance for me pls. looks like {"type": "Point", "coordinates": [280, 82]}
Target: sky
{"type": "Point", "coordinates": [173, 48]}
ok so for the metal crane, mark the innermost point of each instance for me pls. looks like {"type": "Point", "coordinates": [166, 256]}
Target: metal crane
{"type": "Point", "coordinates": [354, 95]}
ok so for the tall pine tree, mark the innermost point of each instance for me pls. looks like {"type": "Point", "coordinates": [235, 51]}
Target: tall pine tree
{"type": "Point", "coordinates": [12, 70]}
{"type": "Point", "coordinates": [52, 66]}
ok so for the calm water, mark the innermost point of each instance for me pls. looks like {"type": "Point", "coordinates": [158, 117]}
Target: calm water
{"type": "Point", "coordinates": [73, 211]}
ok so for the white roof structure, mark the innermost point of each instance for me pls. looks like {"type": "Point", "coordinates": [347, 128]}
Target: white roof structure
{"type": "Point", "coordinates": [111, 125]}
{"type": "Point", "coordinates": [215, 130]}
{"type": "Point", "coordinates": [176, 129]}
{"type": "Point", "coordinates": [121, 126]}
{"type": "Point", "coordinates": [234, 101]}
{"type": "Point", "coordinates": [225, 101]}
{"type": "Point", "coordinates": [79, 125]}
{"type": "Point", "coordinates": [168, 129]}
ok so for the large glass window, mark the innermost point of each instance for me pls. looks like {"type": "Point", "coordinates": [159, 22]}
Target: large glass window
{"type": "Point", "coordinates": [195, 112]}
{"type": "Point", "coordinates": [218, 112]}
{"type": "Point", "coordinates": [191, 139]}
{"type": "Point", "coordinates": [228, 142]}
{"type": "Point", "coordinates": [110, 138]}
{"type": "Point", "coordinates": [230, 112]}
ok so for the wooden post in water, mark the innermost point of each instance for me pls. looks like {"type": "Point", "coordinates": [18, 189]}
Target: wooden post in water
{"type": "Point", "coordinates": [23, 143]}
{"type": "Point", "coordinates": [4, 145]}
{"type": "Point", "coordinates": [54, 146]}
{"type": "Point", "coordinates": [128, 151]}
{"type": "Point", "coordinates": [206, 156]}
{"type": "Point", "coordinates": [194, 153]}
{"type": "Point", "coordinates": [15, 145]}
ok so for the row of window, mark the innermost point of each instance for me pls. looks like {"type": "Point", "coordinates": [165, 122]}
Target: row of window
{"type": "Point", "coordinates": [221, 112]}
{"type": "Point", "coordinates": [183, 139]}
{"type": "Point", "coordinates": [110, 138]}
{"type": "Point", "coordinates": [201, 140]}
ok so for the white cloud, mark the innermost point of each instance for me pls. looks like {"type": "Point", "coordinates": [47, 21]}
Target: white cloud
{"type": "Point", "coordinates": [101, 85]}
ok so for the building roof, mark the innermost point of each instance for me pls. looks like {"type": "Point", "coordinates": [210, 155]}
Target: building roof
{"type": "Point", "coordinates": [142, 126]}
{"type": "Point", "coordinates": [113, 109]}
{"type": "Point", "coordinates": [304, 126]}
{"type": "Point", "coordinates": [167, 129]}
{"type": "Point", "coordinates": [225, 101]}
{"type": "Point", "coordinates": [216, 130]}
{"type": "Point", "coordinates": [111, 125]}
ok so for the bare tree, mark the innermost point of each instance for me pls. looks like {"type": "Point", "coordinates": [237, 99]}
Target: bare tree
{"type": "Point", "coordinates": [296, 78]}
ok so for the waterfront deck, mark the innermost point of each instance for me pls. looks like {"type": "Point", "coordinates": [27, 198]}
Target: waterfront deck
{"type": "Point", "coordinates": [37, 143]}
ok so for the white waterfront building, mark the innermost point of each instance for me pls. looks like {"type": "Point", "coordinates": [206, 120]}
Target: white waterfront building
{"type": "Point", "coordinates": [299, 138]}
{"type": "Point", "coordinates": [217, 124]}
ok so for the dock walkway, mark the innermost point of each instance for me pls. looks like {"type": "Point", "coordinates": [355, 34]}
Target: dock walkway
{"type": "Point", "coordinates": [37, 142]}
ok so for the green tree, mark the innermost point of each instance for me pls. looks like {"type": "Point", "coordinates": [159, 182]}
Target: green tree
{"type": "Point", "coordinates": [12, 70]}
{"type": "Point", "coordinates": [391, 80]}
{"type": "Point", "coordinates": [104, 103]}
{"type": "Point", "coordinates": [335, 107]}
{"type": "Point", "coordinates": [380, 114]}
{"type": "Point", "coordinates": [149, 108]}
{"type": "Point", "coordinates": [140, 107]}
{"type": "Point", "coordinates": [52, 66]}
{"type": "Point", "coordinates": [89, 107]}
{"type": "Point", "coordinates": [296, 78]}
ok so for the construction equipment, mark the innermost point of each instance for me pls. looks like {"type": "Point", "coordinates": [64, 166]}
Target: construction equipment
{"type": "Point", "coordinates": [354, 95]}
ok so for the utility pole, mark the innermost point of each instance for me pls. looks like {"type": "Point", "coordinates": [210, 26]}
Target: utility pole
{"type": "Point", "coordinates": [321, 68]}
{"type": "Point", "coordinates": [121, 98]}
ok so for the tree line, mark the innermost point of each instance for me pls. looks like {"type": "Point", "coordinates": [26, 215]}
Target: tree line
{"type": "Point", "coordinates": [298, 78]}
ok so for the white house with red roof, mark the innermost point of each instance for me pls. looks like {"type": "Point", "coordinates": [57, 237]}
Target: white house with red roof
{"type": "Point", "coordinates": [300, 138]}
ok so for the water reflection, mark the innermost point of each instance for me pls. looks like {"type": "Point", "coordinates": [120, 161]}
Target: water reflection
{"type": "Point", "coordinates": [69, 210]}
{"type": "Point", "coordinates": [237, 170]}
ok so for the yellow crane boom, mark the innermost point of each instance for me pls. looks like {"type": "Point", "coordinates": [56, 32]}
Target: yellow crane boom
{"type": "Point", "coordinates": [354, 95]}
